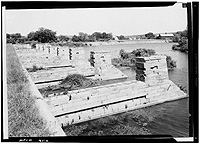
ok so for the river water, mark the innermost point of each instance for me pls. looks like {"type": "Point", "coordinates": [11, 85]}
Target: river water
{"type": "Point", "coordinates": [170, 118]}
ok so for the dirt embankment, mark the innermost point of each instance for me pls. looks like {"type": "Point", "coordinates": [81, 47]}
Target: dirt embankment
{"type": "Point", "coordinates": [24, 115]}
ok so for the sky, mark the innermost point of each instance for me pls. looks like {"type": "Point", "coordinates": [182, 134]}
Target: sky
{"type": "Point", "coordinates": [118, 21]}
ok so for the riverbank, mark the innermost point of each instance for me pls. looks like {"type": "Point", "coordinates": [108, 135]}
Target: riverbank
{"type": "Point", "coordinates": [114, 42]}
{"type": "Point", "coordinates": [183, 48]}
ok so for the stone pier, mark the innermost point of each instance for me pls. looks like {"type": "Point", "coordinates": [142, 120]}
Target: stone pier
{"type": "Point", "coordinates": [151, 87]}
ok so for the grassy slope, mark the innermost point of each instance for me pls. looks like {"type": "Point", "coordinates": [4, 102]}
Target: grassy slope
{"type": "Point", "coordinates": [23, 119]}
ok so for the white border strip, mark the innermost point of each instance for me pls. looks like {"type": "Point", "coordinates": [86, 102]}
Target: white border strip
{"type": "Point", "coordinates": [5, 102]}
{"type": "Point", "coordinates": [185, 139]}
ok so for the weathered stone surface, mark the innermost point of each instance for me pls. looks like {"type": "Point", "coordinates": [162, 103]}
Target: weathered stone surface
{"type": "Point", "coordinates": [104, 68]}
{"type": "Point", "coordinates": [120, 97]}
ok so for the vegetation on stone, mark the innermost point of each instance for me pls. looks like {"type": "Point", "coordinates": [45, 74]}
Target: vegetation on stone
{"type": "Point", "coordinates": [76, 81]}
{"type": "Point", "coordinates": [171, 64]}
{"type": "Point", "coordinates": [71, 82]}
{"type": "Point", "coordinates": [34, 68]}
{"type": "Point", "coordinates": [127, 59]}
{"type": "Point", "coordinates": [183, 88]}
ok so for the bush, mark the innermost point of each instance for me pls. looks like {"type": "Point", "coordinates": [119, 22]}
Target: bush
{"type": "Point", "coordinates": [33, 45]}
{"type": "Point", "coordinates": [34, 69]}
{"type": "Point", "coordinates": [76, 81]}
{"type": "Point", "coordinates": [118, 62]}
{"type": "Point", "coordinates": [171, 64]}
{"type": "Point", "coordinates": [128, 59]}
{"type": "Point", "coordinates": [143, 52]}
{"type": "Point", "coordinates": [175, 47]}
{"type": "Point", "coordinates": [182, 39]}
{"type": "Point", "coordinates": [123, 54]}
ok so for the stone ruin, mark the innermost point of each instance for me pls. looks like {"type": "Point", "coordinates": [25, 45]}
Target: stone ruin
{"type": "Point", "coordinates": [152, 70]}
{"type": "Point", "coordinates": [78, 60]}
{"type": "Point", "coordinates": [151, 87]}
{"type": "Point", "coordinates": [104, 68]}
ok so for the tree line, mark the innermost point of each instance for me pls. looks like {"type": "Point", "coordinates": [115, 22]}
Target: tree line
{"type": "Point", "coordinates": [181, 37]}
{"type": "Point", "coordinates": [44, 35]}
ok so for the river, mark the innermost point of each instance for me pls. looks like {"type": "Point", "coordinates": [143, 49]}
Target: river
{"type": "Point", "coordinates": [170, 118]}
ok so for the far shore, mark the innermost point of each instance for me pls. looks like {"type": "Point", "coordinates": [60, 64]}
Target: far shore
{"type": "Point", "coordinates": [99, 43]}
{"type": "Point", "coordinates": [119, 42]}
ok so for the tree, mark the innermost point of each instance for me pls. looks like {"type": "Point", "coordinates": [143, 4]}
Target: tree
{"type": "Point", "coordinates": [43, 35]}
{"type": "Point", "coordinates": [150, 35]}
{"type": "Point", "coordinates": [109, 36]}
{"type": "Point", "coordinates": [8, 36]}
{"type": "Point", "coordinates": [99, 36]}
{"type": "Point", "coordinates": [31, 36]}
{"type": "Point", "coordinates": [13, 38]}
{"type": "Point", "coordinates": [23, 39]}
{"type": "Point", "coordinates": [123, 54]}
{"type": "Point", "coordinates": [182, 41]}
{"type": "Point", "coordinates": [62, 38]}
{"type": "Point", "coordinates": [121, 37]}
{"type": "Point", "coordinates": [96, 35]}
{"type": "Point", "coordinates": [184, 33]}
{"type": "Point", "coordinates": [75, 38]}
{"type": "Point", "coordinates": [83, 36]}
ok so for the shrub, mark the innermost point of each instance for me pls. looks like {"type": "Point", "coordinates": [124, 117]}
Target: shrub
{"type": "Point", "coordinates": [75, 81]}
{"type": "Point", "coordinates": [34, 68]}
{"type": "Point", "coordinates": [123, 54]}
{"type": "Point", "coordinates": [171, 64]}
{"type": "Point", "coordinates": [175, 47]}
{"type": "Point", "coordinates": [128, 59]}
{"type": "Point", "coordinates": [182, 39]}
{"type": "Point", "coordinates": [143, 52]}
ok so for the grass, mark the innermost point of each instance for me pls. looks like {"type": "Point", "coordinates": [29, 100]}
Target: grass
{"type": "Point", "coordinates": [128, 123]}
{"type": "Point", "coordinates": [34, 68]}
{"type": "Point", "coordinates": [23, 118]}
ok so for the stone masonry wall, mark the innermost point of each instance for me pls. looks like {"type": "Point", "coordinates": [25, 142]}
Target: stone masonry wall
{"type": "Point", "coordinates": [104, 68]}
{"type": "Point", "coordinates": [90, 103]}
{"type": "Point", "coordinates": [151, 70]}
{"type": "Point", "coordinates": [79, 61]}
{"type": "Point", "coordinates": [44, 56]}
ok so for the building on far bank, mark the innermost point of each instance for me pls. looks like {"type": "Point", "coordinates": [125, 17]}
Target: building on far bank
{"type": "Point", "coordinates": [165, 36]}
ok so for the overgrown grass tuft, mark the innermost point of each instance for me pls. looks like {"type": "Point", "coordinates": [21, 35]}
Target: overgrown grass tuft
{"type": "Point", "coordinates": [34, 68]}
{"type": "Point", "coordinates": [76, 81]}
{"type": "Point", "coordinates": [23, 118]}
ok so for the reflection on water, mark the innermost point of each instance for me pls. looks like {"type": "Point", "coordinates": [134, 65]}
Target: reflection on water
{"type": "Point", "coordinates": [169, 118]}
